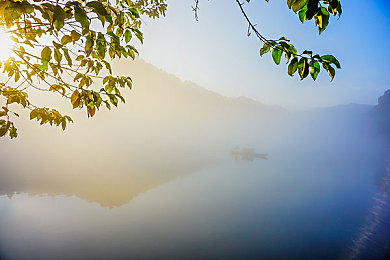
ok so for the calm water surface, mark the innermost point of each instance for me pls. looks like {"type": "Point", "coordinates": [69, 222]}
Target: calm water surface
{"type": "Point", "coordinates": [292, 206]}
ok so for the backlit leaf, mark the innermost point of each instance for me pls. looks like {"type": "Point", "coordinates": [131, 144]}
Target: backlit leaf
{"type": "Point", "coordinates": [265, 49]}
{"type": "Point", "coordinates": [58, 17]}
{"type": "Point", "coordinates": [81, 16]}
{"type": "Point", "coordinates": [277, 54]}
{"type": "Point", "coordinates": [46, 54]}
{"type": "Point", "coordinates": [331, 59]}
{"type": "Point", "coordinates": [57, 88]}
{"type": "Point", "coordinates": [292, 67]}
{"type": "Point", "coordinates": [98, 8]}
{"type": "Point", "coordinates": [75, 99]}
{"type": "Point", "coordinates": [66, 39]}
{"type": "Point", "coordinates": [314, 69]}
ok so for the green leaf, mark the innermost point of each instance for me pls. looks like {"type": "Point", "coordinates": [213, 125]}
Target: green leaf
{"type": "Point", "coordinates": [88, 45]}
{"type": "Point", "coordinates": [265, 49]}
{"type": "Point", "coordinates": [75, 99]}
{"type": "Point", "coordinates": [310, 53]}
{"type": "Point", "coordinates": [81, 16]}
{"type": "Point", "coordinates": [333, 4]}
{"type": "Point", "coordinates": [292, 67]}
{"type": "Point", "coordinates": [101, 45]}
{"type": "Point", "coordinates": [339, 9]}
{"type": "Point", "coordinates": [57, 55]}
{"type": "Point", "coordinates": [58, 17]}
{"type": "Point", "coordinates": [67, 57]}
{"type": "Point", "coordinates": [75, 36]}
{"type": "Point", "coordinates": [66, 39]}
{"type": "Point", "coordinates": [332, 59]}
{"type": "Point", "coordinates": [4, 129]}
{"type": "Point", "coordinates": [13, 99]}
{"type": "Point", "coordinates": [80, 57]}
{"type": "Point", "coordinates": [33, 114]}
{"type": "Point", "coordinates": [134, 12]}
{"type": "Point", "coordinates": [302, 14]}
{"type": "Point", "coordinates": [111, 52]}
{"type": "Point", "coordinates": [288, 56]}
{"type": "Point", "coordinates": [138, 34]}
{"type": "Point", "coordinates": [285, 46]}
{"type": "Point", "coordinates": [329, 69]}
{"type": "Point", "coordinates": [128, 36]}
{"type": "Point", "coordinates": [63, 124]}
{"type": "Point", "coordinates": [322, 19]}
{"type": "Point", "coordinates": [27, 7]}
{"type": "Point", "coordinates": [109, 19]}
{"type": "Point", "coordinates": [57, 88]}
{"type": "Point", "coordinates": [271, 43]}
{"type": "Point", "coordinates": [296, 5]}
{"type": "Point", "coordinates": [113, 99]}
{"type": "Point", "coordinates": [314, 69]}
{"type": "Point", "coordinates": [12, 11]}
{"type": "Point", "coordinates": [108, 66]}
{"type": "Point", "coordinates": [13, 132]}
{"type": "Point", "coordinates": [284, 39]}
{"type": "Point", "coordinates": [312, 9]}
{"type": "Point", "coordinates": [303, 68]}
{"type": "Point", "coordinates": [46, 54]}
{"type": "Point", "coordinates": [44, 66]}
{"type": "Point", "coordinates": [57, 45]}
{"type": "Point", "coordinates": [277, 54]}
{"type": "Point", "coordinates": [98, 8]}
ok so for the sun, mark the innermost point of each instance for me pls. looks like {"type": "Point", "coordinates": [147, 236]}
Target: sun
{"type": "Point", "coordinates": [6, 45]}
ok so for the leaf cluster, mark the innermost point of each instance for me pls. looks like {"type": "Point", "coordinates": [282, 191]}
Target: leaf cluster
{"type": "Point", "coordinates": [305, 63]}
{"type": "Point", "coordinates": [319, 10]}
{"type": "Point", "coordinates": [66, 47]}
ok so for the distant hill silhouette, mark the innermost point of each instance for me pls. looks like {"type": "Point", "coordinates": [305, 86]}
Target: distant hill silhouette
{"type": "Point", "coordinates": [382, 114]}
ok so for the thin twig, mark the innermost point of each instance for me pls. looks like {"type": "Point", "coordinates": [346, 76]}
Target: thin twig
{"type": "Point", "coordinates": [196, 9]}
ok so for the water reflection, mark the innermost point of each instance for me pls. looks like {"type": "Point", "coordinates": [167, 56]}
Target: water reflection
{"type": "Point", "coordinates": [372, 241]}
{"type": "Point", "coordinates": [108, 184]}
{"type": "Point", "coordinates": [160, 205]}
{"type": "Point", "coordinates": [212, 213]}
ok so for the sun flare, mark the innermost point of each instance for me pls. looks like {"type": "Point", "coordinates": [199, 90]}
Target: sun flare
{"type": "Point", "coordinates": [6, 45]}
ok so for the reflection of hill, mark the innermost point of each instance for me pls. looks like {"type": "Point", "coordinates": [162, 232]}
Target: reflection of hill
{"type": "Point", "coordinates": [381, 116]}
{"type": "Point", "coordinates": [168, 128]}
{"type": "Point", "coordinates": [374, 233]}
{"type": "Point", "coordinates": [109, 184]}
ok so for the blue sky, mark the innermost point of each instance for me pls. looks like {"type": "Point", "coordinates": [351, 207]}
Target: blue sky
{"type": "Point", "coordinates": [216, 53]}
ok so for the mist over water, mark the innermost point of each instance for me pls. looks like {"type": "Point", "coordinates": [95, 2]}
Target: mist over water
{"type": "Point", "coordinates": [155, 179]}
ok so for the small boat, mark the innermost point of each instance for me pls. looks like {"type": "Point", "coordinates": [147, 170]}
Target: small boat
{"type": "Point", "coordinates": [248, 154]}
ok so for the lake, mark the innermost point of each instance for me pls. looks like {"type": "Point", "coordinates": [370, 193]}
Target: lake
{"type": "Point", "coordinates": [307, 205]}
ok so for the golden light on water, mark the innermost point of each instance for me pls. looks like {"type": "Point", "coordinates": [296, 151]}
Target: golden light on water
{"type": "Point", "coordinates": [6, 45]}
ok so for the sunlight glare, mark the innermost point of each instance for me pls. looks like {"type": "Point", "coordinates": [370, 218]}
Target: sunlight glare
{"type": "Point", "coordinates": [6, 45]}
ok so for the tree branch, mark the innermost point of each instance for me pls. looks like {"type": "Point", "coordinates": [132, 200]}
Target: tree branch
{"type": "Point", "coordinates": [196, 9]}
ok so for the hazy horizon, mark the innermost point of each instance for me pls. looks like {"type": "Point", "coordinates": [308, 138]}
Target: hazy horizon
{"type": "Point", "coordinates": [117, 64]}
